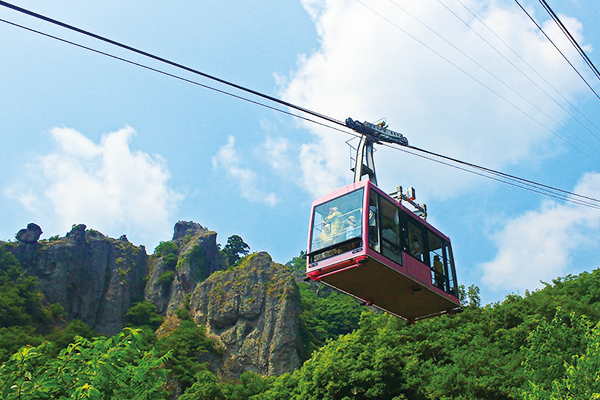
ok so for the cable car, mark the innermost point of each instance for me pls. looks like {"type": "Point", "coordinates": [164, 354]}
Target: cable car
{"type": "Point", "coordinates": [367, 244]}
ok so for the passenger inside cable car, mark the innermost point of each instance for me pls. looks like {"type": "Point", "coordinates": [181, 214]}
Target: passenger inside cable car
{"type": "Point", "coordinates": [335, 222]}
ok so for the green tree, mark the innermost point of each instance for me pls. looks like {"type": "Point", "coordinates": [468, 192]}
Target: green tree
{"type": "Point", "coordinates": [62, 337]}
{"type": "Point", "coordinates": [24, 315]}
{"type": "Point", "coordinates": [142, 314]}
{"type": "Point", "coordinates": [365, 364]}
{"type": "Point", "coordinates": [186, 344]}
{"type": "Point", "coordinates": [235, 249]}
{"type": "Point", "coordinates": [20, 300]}
{"type": "Point", "coordinates": [168, 251]}
{"type": "Point", "coordinates": [85, 369]}
{"type": "Point", "coordinates": [298, 264]}
{"type": "Point", "coordinates": [324, 316]}
{"type": "Point", "coordinates": [207, 386]}
{"type": "Point", "coordinates": [563, 359]}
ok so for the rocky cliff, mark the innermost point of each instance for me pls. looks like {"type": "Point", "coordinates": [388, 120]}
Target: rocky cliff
{"type": "Point", "coordinates": [174, 274]}
{"type": "Point", "coordinates": [253, 309]}
{"type": "Point", "coordinates": [95, 278]}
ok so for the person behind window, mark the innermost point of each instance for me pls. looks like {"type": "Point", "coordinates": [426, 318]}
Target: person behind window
{"type": "Point", "coordinates": [324, 239]}
{"type": "Point", "coordinates": [334, 219]}
{"type": "Point", "coordinates": [352, 229]}
{"type": "Point", "coordinates": [438, 269]}
{"type": "Point", "coordinates": [373, 234]}
{"type": "Point", "coordinates": [415, 246]}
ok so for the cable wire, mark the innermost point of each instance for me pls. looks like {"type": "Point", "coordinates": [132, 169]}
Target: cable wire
{"type": "Point", "coordinates": [498, 79]}
{"type": "Point", "coordinates": [486, 86]}
{"type": "Point", "coordinates": [521, 71]}
{"type": "Point", "coordinates": [570, 37]}
{"type": "Point", "coordinates": [488, 173]}
{"type": "Point", "coordinates": [164, 60]}
{"type": "Point", "coordinates": [557, 49]}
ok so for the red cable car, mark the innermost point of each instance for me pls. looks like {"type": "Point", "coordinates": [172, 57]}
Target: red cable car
{"type": "Point", "coordinates": [369, 245]}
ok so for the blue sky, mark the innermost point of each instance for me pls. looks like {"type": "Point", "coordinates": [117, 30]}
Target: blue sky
{"type": "Point", "coordinates": [89, 139]}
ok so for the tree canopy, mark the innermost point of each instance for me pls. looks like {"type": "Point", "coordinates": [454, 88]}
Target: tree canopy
{"type": "Point", "coordinates": [543, 345]}
{"type": "Point", "coordinates": [235, 249]}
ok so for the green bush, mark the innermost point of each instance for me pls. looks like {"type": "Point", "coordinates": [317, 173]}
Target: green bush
{"type": "Point", "coordinates": [166, 278]}
{"type": "Point", "coordinates": [144, 313]}
{"type": "Point", "coordinates": [112, 368]}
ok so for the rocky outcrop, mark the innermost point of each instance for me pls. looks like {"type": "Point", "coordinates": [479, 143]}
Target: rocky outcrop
{"type": "Point", "coordinates": [31, 234]}
{"type": "Point", "coordinates": [253, 309]}
{"type": "Point", "coordinates": [197, 256]}
{"type": "Point", "coordinates": [95, 278]}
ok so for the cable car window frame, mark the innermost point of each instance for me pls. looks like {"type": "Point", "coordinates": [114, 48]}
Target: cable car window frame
{"type": "Point", "coordinates": [414, 229]}
{"type": "Point", "coordinates": [384, 243]}
{"type": "Point", "coordinates": [343, 242]}
{"type": "Point", "coordinates": [443, 249]}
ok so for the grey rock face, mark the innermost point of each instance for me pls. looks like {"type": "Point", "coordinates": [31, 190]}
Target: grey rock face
{"type": "Point", "coordinates": [31, 234]}
{"type": "Point", "coordinates": [254, 311]}
{"type": "Point", "coordinates": [95, 278]}
{"type": "Point", "coordinates": [198, 256]}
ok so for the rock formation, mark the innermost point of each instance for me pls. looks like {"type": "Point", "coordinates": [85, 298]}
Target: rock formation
{"type": "Point", "coordinates": [31, 234]}
{"type": "Point", "coordinates": [253, 308]}
{"type": "Point", "coordinates": [95, 278]}
{"type": "Point", "coordinates": [198, 256]}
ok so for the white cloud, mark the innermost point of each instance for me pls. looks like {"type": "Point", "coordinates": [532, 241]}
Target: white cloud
{"type": "Point", "coordinates": [367, 68]}
{"type": "Point", "coordinates": [540, 245]}
{"type": "Point", "coordinates": [106, 186]}
{"type": "Point", "coordinates": [247, 180]}
{"type": "Point", "coordinates": [278, 154]}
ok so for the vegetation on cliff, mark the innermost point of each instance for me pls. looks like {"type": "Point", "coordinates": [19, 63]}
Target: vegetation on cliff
{"type": "Point", "coordinates": [25, 317]}
{"type": "Point", "coordinates": [541, 345]}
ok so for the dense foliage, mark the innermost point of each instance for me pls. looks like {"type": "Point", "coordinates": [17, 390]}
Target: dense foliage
{"type": "Point", "coordinates": [168, 251]}
{"type": "Point", "coordinates": [112, 368]}
{"type": "Point", "coordinates": [563, 358]}
{"type": "Point", "coordinates": [143, 314]}
{"type": "Point", "coordinates": [544, 345]}
{"type": "Point", "coordinates": [186, 344]}
{"type": "Point", "coordinates": [324, 315]}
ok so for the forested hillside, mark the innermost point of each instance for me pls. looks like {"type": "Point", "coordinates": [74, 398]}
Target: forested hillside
{"type": "Point", "coordinates": [535, 346]}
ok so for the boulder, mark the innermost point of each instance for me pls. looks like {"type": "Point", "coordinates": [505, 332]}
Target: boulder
{"type": "Point", "coordinates": [31, 234]}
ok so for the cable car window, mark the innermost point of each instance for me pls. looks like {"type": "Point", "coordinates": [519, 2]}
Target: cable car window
{"type": "Point", "coordinates": [416, 245]}
{"type": "Point", "coordinates": [438, 261]}
{"type": "Point", "coordinates": [452, 285]}
{"type": "Point", "coordinates": [337, 220]}
{"type": "Point", "coordinates": [390, 230]}
{"type": "Point", "coordinates": [373, 221]}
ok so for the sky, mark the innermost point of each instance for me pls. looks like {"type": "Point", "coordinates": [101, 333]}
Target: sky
{"type": "Point", "coordinates": [90, 139]}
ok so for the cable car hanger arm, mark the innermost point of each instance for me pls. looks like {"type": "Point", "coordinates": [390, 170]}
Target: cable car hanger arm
{"type": "Point", "coordinates": [371, 133]}
{"type": "Point", "coordinates": [377, 132]}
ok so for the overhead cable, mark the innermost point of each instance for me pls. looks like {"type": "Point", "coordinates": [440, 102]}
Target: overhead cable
{"type": "Point", "coordinates": [570, 37]}
{"type": "Point", "coordinates": [462, 165]}
{"type": "Point", "coordinates": [520, 70]}
{"type": "Point", "coordinates": [557, 49]}
{"type": "Point", "coordinates": [164, 60]}
{"type": "Point", "coordinates": [490, 89]}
